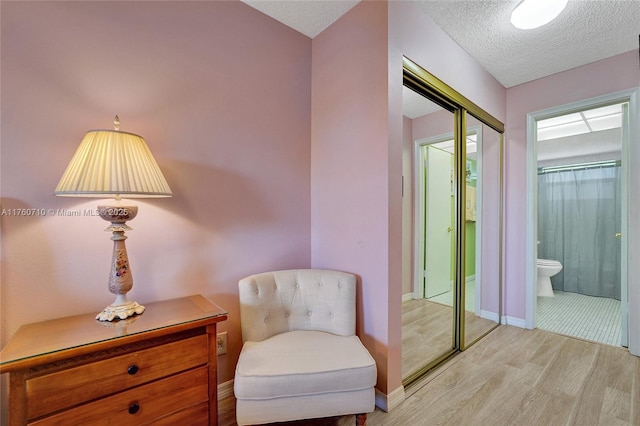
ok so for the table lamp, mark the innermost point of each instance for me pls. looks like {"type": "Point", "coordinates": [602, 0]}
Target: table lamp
{"type": "Point", "coordinates": [115, 164]}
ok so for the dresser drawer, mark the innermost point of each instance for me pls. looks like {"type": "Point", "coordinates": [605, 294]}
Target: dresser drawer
{"type": "Point", "coordinates": [139, 405]}
{"type": "Point", "coordinates": [56, 391]}
{"type": "Point", "coordinates": [198, 415]}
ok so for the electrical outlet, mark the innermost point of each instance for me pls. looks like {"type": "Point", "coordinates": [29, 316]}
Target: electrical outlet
{"type": "Point", "coordinates": [222, 343]}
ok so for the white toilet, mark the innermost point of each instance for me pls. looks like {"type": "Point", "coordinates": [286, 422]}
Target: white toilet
{"type": "Point", "coordinates": [547, 269]}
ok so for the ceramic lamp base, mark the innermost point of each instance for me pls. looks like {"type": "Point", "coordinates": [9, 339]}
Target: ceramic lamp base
{"type": "Point", "coordinates": [120, 279]}
{"type": "Point", "coordinates": [127, 310]}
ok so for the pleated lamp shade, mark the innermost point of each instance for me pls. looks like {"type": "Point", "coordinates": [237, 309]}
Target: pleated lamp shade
{"type": "Point", "coordinates": [113, 164]}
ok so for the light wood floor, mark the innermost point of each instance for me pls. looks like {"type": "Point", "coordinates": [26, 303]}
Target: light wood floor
{"type": "Point", "coordinates": [426, 333]}
{"type": "Point", "coordinates": [516, 377]}
{"type": "Point", "coordinates": [427, 329]}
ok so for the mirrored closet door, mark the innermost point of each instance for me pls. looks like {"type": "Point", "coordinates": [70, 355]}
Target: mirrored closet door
{"type": "Point", "coordinates": [428, 309]}
{"type": "Point", "coordinates": [456, 161]}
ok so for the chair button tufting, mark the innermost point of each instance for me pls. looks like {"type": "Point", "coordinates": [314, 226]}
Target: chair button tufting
{"type": "Point", "coordinates": [266, 320]}
{"type": "Point", "coordinates": [331, 315]}
{"type": "Point", "coordinates": [257, 291]}
{"type": "Point", "coordinates": [297, 285]}
{"type": "Point", "coordinates": [286, 315]}
{"type": "Point", "coordinates": [309, 313]}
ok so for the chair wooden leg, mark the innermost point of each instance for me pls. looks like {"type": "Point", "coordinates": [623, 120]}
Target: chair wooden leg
{"type": "Point", "coordinates": [361, 419]}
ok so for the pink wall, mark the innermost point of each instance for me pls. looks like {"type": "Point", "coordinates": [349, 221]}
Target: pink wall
{"type": "Point", "coordinates": [221, 93]}
{"type": "Point", "coordinates": [434, 124]}
{"type": "Point", "coordinates": [599, 78]}
{"type": "Point", "coordinates": [350, 165]}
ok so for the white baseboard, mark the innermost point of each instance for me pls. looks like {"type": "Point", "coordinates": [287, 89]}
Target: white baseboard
{"type": "Point", "coordinates": [406, 297]}
{"type": "Point", "coordinates": [225, 390]}
{"type": "Point", "coordinates": [516, 322]}
{"type": "Point", "coordinates": [491, 316]}
{"type": "Point", "coordinates": [389, 402]}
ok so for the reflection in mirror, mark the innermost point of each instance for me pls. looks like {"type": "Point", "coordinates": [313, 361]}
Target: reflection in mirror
{"type": "Point", "coordinates": [451, 280]}
{"type": "Point", "coordinates": [427, 309]}
{"type": "Point", "coordinates": [482, 241]}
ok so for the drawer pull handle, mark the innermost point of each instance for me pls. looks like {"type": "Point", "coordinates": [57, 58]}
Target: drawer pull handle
{"type": "Point", "coordinates": [133, 369]}
{"type": "Point", "coordinates": [134, 408]}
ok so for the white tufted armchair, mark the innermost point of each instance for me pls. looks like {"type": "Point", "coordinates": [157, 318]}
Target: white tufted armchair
{"type": "Point", "coordinates": [301, 358]}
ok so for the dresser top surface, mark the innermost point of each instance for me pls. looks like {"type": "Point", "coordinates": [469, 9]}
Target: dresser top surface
{"type": "Point", "coordinates": [58, 335]}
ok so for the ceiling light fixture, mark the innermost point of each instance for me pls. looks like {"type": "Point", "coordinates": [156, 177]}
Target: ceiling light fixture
{"type": "Point", "coordinates": [530, 14]}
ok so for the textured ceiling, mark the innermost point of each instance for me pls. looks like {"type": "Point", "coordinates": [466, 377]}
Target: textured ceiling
{"type": "Point", "coordinates": [586, 31]}
{"type": "Point", "coordinates": [309, 17]}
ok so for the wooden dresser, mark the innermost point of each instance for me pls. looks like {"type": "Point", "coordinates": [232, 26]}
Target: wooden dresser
{"type": "Point", "coordinates": [156, 368]}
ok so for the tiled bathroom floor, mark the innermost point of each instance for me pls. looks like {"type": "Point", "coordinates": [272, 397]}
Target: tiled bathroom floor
{"type": "Point", "coordinates": [586, 317]}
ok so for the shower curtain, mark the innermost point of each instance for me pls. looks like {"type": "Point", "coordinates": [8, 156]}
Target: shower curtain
{"type": "Point", "coordinates": [578, 218]}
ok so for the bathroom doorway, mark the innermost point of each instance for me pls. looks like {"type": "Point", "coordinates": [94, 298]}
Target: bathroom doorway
{"type": "Point", "coordinates": [580, 221]}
